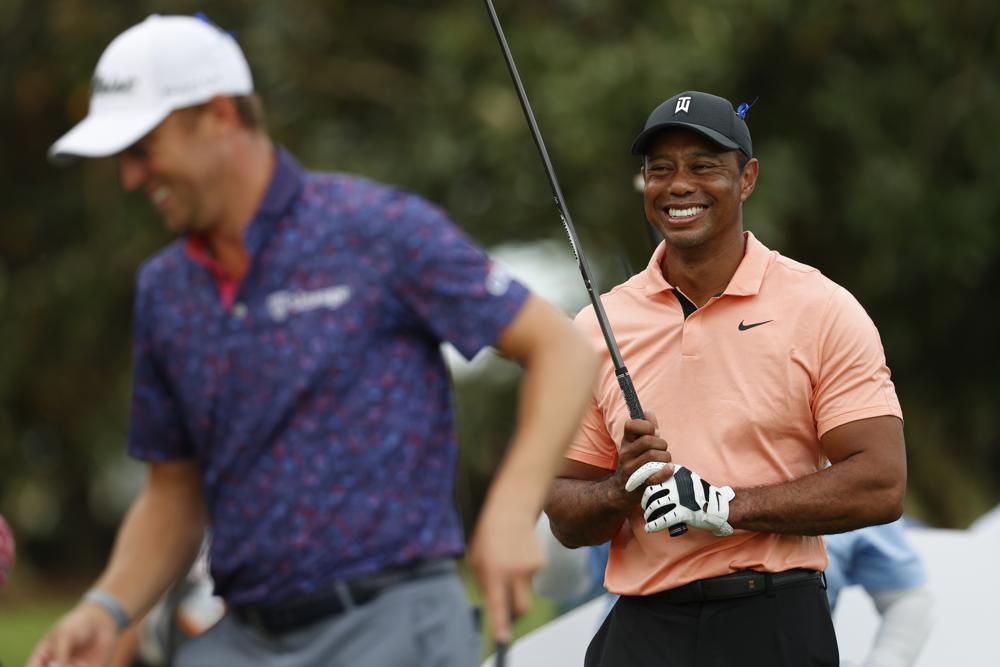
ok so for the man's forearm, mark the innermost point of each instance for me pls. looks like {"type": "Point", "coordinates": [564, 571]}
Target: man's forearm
{"type": "Point", "coordinates": [584, 512]}
{"type": "Point", "coordinates": [863, 487]}
{"type": "Point", "coordinates": [156, 544]}
{"type": "Point", "coordinates": [559, 370]}
{"type": "Point", "coordinates": [843, 497]}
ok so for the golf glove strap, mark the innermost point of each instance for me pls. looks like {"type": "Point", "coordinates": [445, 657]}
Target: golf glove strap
{"type": "Point", "coordinates": [687, 498]}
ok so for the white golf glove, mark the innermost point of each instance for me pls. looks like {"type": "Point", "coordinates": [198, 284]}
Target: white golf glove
{"type": "Point", "coordinates": [684, 498]}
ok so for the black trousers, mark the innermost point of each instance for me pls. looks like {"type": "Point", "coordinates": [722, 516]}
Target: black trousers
{"type": "Point", "coordinates": [787, 627]}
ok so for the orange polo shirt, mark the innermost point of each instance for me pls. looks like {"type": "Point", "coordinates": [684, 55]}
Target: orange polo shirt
{"type": "Point", "coordinates": [743, 390]}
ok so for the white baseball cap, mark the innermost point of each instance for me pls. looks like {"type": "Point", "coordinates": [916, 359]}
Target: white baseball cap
{"type": "Point", "coordinates": [160, 65]}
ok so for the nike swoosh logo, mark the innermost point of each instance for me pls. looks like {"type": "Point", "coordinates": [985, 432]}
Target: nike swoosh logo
{"type": "Point", "coordinates": [744, 327]}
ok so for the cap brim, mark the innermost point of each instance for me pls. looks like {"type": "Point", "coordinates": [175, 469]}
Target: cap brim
{"type": "Point", "coordinates": [105, 134]}
{"type": "Point", "coordinates": [639, 145]}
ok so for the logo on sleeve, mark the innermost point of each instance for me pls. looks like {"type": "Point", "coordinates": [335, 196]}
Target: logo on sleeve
{"type": "Point", "coordinates": [498, 280]}
{"type": "Point", "coordinates": [284, 303]}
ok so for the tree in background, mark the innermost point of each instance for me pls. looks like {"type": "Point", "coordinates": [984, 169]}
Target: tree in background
{"type": "Point", "coordinates": [875, 126]}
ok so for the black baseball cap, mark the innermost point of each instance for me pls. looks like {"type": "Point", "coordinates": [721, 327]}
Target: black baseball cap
{"type": "Point", "coordinates": [709, 115]}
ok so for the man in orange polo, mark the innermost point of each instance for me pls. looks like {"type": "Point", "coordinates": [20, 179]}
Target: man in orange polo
{"type": "Point", "coordinates": [771, 420]}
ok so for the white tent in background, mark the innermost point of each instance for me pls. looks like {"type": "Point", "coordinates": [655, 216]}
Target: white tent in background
{"type": "Point", "coordinates": [987, 524]}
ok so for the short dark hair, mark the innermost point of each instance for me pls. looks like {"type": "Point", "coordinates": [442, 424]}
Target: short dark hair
{"type": "Point", "coordinates": [741, 160]}
{"type": "Point", "coordinates": [251, 111]}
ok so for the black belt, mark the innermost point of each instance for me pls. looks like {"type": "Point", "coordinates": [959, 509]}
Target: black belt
{"type": "Point", "coordinates": [737, 585]}
{"type": "Point", "coordinates": [334, 599]}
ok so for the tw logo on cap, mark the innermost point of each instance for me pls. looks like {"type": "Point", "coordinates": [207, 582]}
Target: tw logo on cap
{"type": "Point", "coordinates": [683, 104]}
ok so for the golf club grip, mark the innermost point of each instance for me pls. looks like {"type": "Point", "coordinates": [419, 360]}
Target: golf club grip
{"type": "Point", "coordinates": [628, 392]}
{"type": "Point", "coordinates": [501, 655]}
{"type": "Point", "coordinates": [635, 412]}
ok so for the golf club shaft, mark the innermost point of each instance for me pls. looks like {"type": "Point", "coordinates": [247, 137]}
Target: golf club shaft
{"type": "Point", "coordinates": [621, 372]}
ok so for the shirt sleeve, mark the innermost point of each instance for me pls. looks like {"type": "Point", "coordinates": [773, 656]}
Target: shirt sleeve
{"type": "Point", "coordinates": [883, 559]}
{"type": "Point", "coordinates": [156, 432]}
{"type": "Point", "coordinates": [460, 294]}
{"type": "Point", "coordinates": [853, 380]}
{"type": "Point", "coordinates": [593, 443]}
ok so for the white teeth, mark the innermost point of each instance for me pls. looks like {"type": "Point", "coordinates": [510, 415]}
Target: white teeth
{"type": "Point", "coordinates": [159, 194]}
{"type": "Point", "coordinates": [685, 212]}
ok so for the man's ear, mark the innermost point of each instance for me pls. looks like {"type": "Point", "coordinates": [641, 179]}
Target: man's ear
{"type": "Point", "coordinates": [223, 111]}
{"type": "Point", "coordinates": [748, 179]}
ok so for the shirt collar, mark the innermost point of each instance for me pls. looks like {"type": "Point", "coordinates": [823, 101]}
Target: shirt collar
{"type": "Point", "coordinates": [750, 273]}
{"type": "Point", "coordinates": [285, 185]}
{"type": "Point", "coordinates": [745, 282]}
{"type": "Point", "coordinates": [653, 274]}
{"type": "Point", "coordinates": [197, 249]}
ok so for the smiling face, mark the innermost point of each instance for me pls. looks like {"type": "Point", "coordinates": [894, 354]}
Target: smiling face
{"type": "Point", "coordinates": [694, 189]}
{"type": "Point", "coordinates": [178, 166]}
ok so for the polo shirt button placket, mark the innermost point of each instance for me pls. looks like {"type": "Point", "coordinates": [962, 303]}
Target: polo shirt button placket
{"type": "Point", "coordinates": [691, 335]}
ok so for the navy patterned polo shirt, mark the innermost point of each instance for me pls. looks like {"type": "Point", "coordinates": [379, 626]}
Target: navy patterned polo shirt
{"type": "Point", "coordinates": [318, 405]}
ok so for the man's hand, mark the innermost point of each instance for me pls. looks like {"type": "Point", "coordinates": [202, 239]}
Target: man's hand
{"type": "Point", "coordinates": [642, 454]}
{"type": "Point", "coordinates": [85, 637]}
{"type": "Point", "coordinates": [687, 498]}
{"type": "Point", "coordinates": [505, 555]}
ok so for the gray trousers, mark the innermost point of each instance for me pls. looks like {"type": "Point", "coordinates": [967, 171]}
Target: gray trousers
{"type": "Point", "coordinates": [423, 623]}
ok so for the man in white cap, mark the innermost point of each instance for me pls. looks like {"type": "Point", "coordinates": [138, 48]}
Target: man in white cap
{"type": "Point", "coordinates": [289, 389]}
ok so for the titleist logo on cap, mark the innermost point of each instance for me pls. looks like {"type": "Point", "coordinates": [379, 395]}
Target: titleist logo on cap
{"type": "Point", "coordinates": [111, 86]}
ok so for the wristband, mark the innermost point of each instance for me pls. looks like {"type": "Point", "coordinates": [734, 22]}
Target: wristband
{"type": "Point", "coordinates": [110, 604]}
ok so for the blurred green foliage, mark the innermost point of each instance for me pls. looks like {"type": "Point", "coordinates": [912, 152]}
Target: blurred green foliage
{"type": "Point", "coordinates": [20, 631]}
{"type": "Point", "coordinates": [876, 128]}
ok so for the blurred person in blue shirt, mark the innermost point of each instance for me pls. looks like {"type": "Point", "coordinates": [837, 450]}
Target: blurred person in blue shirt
{"type": "Point", "coordinates": [882, 560]}
{"type": "Point", "coordinates": [289, 390]}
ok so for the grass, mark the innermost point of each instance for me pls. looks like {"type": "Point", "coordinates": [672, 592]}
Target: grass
{"type": "Point", "coordinates": [23, 625]}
